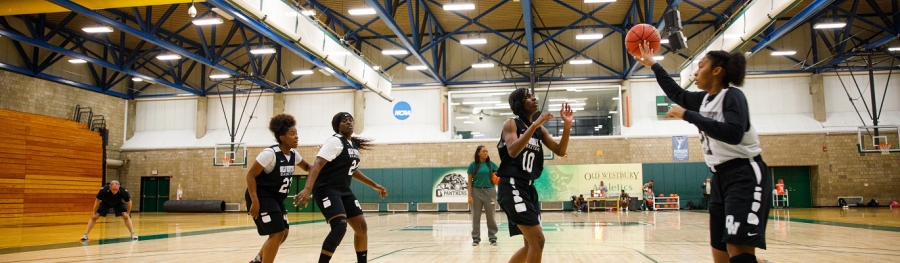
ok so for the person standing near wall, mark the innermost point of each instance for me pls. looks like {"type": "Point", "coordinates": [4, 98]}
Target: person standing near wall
{"type": "Point", "coordinates": [111, 196]}
{"type": "Point", "coordinates": [268, 182]}
{"type": "Point", "coordinates": [521, 163]}
{"type": "Point", "coordinates": [739, 199]}
{"type": "Point", "coordinates": [482, 194]}
{"type": "Point", "coordinates": [336, 165]}
{"type": "Point", "coordinates": [706, 187]}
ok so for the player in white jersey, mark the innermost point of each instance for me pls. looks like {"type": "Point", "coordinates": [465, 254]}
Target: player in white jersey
{"type": "Point", "coordinates": [739, 203]}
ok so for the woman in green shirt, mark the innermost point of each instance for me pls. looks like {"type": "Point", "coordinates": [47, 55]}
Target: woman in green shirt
{"type": "Point", "coordinates": [482, 194]}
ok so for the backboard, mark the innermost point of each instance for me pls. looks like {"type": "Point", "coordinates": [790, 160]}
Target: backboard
{"type": "Point", "coordinates": [228, 154]}
{"type": "Point", "coordinates": [870, 141]}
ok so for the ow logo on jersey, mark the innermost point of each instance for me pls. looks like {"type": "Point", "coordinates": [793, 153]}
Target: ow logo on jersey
{"type": "Point", "coordinates": [354, 153]}
{"type": "Point", "coordinates": [731, 225]}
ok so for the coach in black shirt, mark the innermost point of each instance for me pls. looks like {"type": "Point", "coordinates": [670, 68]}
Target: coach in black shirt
{"type": "Point", "coordinates": [112, 196]}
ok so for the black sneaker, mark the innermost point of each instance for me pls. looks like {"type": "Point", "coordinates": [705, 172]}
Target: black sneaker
{"type": "Point", "coordinates": [474, 244]}
{"type": "Point", "coordinates": [494, 243]}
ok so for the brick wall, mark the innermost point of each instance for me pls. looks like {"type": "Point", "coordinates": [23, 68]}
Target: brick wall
{"type": "Point", "coordinates": [839, 171]}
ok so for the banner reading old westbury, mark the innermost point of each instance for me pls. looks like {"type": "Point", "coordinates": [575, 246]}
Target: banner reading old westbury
{"type": "Point", "coordinates": [560, 182]}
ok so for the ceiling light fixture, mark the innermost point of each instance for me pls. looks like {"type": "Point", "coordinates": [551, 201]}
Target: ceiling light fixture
{"type": "Point", "coordinates": [168, 57]}
{"type": "Point", "coordinates": [589, 33]}
{"type": "Point", "coordinates": [361, 11]}
{"type": "Point", "coordinates": [207, 21]}
{"type": "Point", "coordinates": [658, 58]}
{"type": "Point", "coordinates": [784, 53]}
{"type": "Point", "coordinates": [416, 67]}
{"type": "Point", "coordinates": [394, 52]}
{"type": "Point", "coordinates": [473, 39]}
{"type": "Point", "coordinates": [98, 29]}
{"type": "Point", "coordinates": [580, 60]}
{"type": "Point", "coordinates": [302, 72]}
{"type": "Point", "coordinates": [483, 63]}
{"type": "Point", "coordinates": [262, 51]}
{"type": "Point", "coordinates": [219, 76]}
{"type": "Point", "coordinates": [829, 25]}
{"type": "Point", "coordinates": [459, 6]}
{"type": "Point", "coordinates": [77, 61]}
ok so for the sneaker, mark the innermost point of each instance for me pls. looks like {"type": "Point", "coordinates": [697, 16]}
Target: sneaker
{"type": "Point", "coordinates": [133, 236]}
{"type": "Point", "coordinates": [494, 243]}
{"type": "Point", "coordinates": [84, 237]}
{"type": "Point", "coordinates": [474, 244]}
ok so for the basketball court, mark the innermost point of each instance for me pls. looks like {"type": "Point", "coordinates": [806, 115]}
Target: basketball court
{"type": "Point", "coordinates": [793, 235]}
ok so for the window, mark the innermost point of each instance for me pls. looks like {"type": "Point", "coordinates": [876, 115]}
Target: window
{"type": "Point", "coordinates": [481, 114]}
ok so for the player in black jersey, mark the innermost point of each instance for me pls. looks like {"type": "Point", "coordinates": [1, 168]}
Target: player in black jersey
{"type": "Point", "coordinates": [739, 202]}
{"type": "Point", "coordinates": [521, 162]}
{"type": "Point", "coordinates": [336, 164]}
{"type": "Point", "coordinates": [268, 182]}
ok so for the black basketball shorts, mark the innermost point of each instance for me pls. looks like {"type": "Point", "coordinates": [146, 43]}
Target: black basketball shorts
{"type": "Point", "coordinates": [272, 217]}
{"type": "Point", "coordinates": [519, 200]}
{"type": "Point", "coordinates": [103, 208]}
{"type": "Point", "coordinates": [739, 203]}
{"type": "Point", "coordinates": [334, 202]}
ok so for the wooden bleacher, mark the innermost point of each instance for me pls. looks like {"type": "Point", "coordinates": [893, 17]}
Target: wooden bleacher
{"type": "Point", "coordinates": [48, 166]}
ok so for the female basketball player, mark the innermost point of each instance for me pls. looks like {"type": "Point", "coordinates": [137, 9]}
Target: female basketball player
{"type": "Point", "coordinates": [482, 195]}
{"type": "Point", "coordinates": [739, 202]}
{"type": "Point", "coordinates": [521, 162]}
{"type": "Point", "coordinates": [267, 185]}
{"type": "Point", "coordinates": [335, 165]}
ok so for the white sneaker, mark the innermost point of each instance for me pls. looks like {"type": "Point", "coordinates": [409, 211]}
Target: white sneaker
{"type": "Point", "coordinates": [84, 237]}
{"type": "Point", "coordinates": [133, 236]}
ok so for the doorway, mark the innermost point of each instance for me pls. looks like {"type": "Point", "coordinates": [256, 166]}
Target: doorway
{"type": "Point", "coordinates": [796, 183]}
{"type": "Point", "coordinates": [154, 193]}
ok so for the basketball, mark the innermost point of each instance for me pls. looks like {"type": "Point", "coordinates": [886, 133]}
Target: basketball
{"type": "Point", "coordinates": [637, 35]}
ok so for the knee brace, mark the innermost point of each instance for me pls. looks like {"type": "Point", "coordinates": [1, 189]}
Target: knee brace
{"type": "Point", "coordinates": [338, 229]}
{"type": "Point", "coordinates": [743, 258]}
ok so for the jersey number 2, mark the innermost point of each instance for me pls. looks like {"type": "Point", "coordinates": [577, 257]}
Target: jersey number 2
{"type": "Point", "coordinates": [528, 161]}
{"type": "Point", "coordinates": [353, 167]}
{"type": "Point", "coordinates": [284, 187]}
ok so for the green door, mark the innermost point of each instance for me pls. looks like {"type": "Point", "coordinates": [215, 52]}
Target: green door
{"type": "Point", "coordinates": [154, 193]}
{"type": "Point", "coordinates": [796, 183]}
{"type": "Point", "coordinates": [293, 190]}
{"type": "Point", "coordinates": [298, 184]}
{"type": "Point", "coordinates": [162, 193]}
{"type": "Point", "coordinates": [149, 190]}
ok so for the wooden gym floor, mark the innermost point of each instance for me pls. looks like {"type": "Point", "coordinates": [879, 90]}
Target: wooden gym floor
{"type": "Point", "coordinates": [794, 235]}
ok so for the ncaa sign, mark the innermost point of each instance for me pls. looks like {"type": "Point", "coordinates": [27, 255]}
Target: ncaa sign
{"type": "Point", "coordinates": [402, 110]}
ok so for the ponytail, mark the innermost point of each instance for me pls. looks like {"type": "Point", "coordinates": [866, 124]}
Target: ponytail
{"type": "Point", "coordinates": [734, 64]}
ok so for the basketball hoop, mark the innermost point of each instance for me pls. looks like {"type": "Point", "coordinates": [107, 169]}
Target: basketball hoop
{"type": "Point", "coordinates": [226, 161]}
{"type": "Point", "coordinates": [885, 148]}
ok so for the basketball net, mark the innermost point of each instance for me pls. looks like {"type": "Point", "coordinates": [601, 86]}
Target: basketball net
{"type": "Point", "coordinates": [226, 161]}
{"type": "Point", "coordinates": [885, 148]}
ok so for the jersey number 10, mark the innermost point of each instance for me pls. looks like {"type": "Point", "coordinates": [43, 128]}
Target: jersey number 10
{"type": "Point", "coordinates": [528, 161]}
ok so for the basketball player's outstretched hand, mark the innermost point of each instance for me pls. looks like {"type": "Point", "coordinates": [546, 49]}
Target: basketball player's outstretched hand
{"type": "Point", "coordinates": [382, 192]}
{"type": "Point", "coordinates": [675, 112]}
{"type": "Point", "coordinates": [566, 113]}
{"type": "Point", "coordinates": [546, 116]}
{"type": "Point", "coordinates": [301, 198]}
{"type": "Point", "coordinates": [646, 57]}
